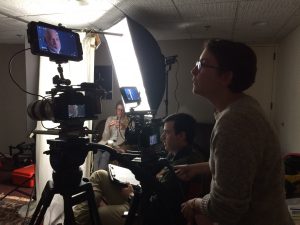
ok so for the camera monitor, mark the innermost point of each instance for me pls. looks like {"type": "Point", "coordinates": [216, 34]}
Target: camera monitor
{"type": "Point", "coordinates": [130, 94]}
{"type": "Point", "coordinates": [58, 43]}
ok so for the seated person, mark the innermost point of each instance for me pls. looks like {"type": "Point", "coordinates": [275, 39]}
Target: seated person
{"type": "Point", "coordinates": [113, 134]}
{"type": "Point", "coordinates": [112, 199]}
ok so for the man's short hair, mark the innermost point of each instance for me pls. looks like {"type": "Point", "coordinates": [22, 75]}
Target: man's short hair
{"type": "Point", "coordinates": [183, 123]}
{"type": "Point", "coordinates": [236, 57]}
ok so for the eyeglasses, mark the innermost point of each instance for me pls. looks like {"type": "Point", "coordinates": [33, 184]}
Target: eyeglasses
{"type": "Point", "coordinates": [200, 65]}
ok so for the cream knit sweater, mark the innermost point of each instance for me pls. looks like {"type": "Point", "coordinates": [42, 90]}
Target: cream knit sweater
{"type": "Point", "coordinates": [247, 175]}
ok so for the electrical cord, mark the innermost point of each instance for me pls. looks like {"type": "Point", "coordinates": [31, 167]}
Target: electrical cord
{"type": "Point", "coordinates": [18, 85]}
{"type": "Point", "coordinates": [10, 73]}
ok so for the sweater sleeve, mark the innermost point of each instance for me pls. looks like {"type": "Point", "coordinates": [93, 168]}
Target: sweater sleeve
{"type": "Point", "coordinates": [233, 164]}
{"type": "Point", "coordinates": [106, 131]}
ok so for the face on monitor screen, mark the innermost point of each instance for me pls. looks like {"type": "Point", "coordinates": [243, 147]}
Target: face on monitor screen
{"type": "Point", "coordinates": [56, 42]}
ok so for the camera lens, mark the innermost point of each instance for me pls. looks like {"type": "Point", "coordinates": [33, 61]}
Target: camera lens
{"type": "Point", "coordinates": [40, 110]}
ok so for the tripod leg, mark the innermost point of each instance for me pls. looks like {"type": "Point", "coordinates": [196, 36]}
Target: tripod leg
{"type": "Point", "coordinates": [92, 204]}
{"type": "Point", "coordinates": [69, 215]}
{"type": "Point", "coordinates": [47, 196]}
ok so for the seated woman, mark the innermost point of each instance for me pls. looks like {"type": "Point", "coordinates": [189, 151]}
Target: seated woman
{"type": "Point", "coordinates": [113, 135]}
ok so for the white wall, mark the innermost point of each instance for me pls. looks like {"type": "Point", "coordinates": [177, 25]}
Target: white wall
{"type": "Point", "coordinates": [287, 101]}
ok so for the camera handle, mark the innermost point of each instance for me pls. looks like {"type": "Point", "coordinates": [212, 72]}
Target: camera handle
{"type": "Point", "coordinates": [59, 79]}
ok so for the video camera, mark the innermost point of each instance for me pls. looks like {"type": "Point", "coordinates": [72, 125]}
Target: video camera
{"type": "Point", "coordinates": [68, 104]}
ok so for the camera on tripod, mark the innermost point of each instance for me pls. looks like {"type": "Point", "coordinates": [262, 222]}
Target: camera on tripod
{"type": "Point", "coordinates": [69, 105]}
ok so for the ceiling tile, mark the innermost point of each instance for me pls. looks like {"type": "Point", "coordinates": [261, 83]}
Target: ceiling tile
{"type": "Point", "coordinates": [191, 11]}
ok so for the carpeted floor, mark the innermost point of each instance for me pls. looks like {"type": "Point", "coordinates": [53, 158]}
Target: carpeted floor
{"type": "Point", "coordinates": [11, 204]}
{"type": "Point", "coordinates": [9, 210]}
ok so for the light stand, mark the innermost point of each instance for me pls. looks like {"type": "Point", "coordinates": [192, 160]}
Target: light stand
{"type": "Point", "coordinates": [168, 64]}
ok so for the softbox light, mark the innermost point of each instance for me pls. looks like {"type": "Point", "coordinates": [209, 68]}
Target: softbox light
{"type": "Point", "coordinates": [138, 62]}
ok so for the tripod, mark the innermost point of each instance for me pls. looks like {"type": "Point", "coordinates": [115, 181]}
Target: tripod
{"type": "Point", "coordinates": [67, 181]}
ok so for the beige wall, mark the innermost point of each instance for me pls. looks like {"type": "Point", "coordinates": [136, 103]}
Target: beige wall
{"type": "Point", "coordinates": [287, 98]}
{"type": "Point", "coordinates": [13, 101]}
{"type": "Point", "coordinates": [102, 57]}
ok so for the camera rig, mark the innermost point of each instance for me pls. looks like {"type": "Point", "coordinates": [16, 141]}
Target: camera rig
{"type": "Point", "coordinates": [70, 106]}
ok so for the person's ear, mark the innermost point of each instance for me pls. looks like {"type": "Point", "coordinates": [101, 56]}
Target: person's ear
{"type": "Point", "coordinates": [226, 78]}
{"type": "Point", "coordinates": [181, 136]}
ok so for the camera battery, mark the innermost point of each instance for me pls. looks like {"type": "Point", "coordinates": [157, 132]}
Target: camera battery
{"type": "Point", "coordinates": [23, 176]}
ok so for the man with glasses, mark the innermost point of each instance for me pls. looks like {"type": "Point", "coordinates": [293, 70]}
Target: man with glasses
{"type": "Point", "coordinates": [247, 185]}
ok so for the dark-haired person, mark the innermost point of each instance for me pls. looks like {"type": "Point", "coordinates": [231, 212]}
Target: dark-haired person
{"type": "Point", "coordinates": [113, 134]}
{"type": "Point", "coordinates": [52, 41]}
{"type": "Point", "coordinates": [177, 137]}
{"type": "Point", "coordinates": [247, 185]}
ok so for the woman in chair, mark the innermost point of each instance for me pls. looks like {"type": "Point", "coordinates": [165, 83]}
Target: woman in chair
{"type": "Point", "coordinates": [113, 135]}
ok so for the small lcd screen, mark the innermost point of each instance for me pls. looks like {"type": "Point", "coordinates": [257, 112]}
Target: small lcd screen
{"type": "Point", "coordinates": [130, 94]}
{"type": "Point", "coordinates": [153, 140]}
{"type": "Point", "coordinates": [57, 41]}
{"type": "Point", "coordinates": [76, 111]}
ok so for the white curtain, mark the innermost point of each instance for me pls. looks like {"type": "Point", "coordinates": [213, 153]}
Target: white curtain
{"type": "Point", "coordinates": [77, 72]}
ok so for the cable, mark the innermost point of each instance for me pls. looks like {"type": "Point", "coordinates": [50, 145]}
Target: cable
{"type": "Point", "coordinates": [13, 80]}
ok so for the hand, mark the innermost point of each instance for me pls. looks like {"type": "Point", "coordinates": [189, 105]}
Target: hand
{"type": "Point", "coordinates": [188, 210]}
{"type": "Point", "coordinates": [119, 149]}
{"type": "Point", "coordinates": [114, 123]}
{"type": "Point", "coordinates": [184, 172]}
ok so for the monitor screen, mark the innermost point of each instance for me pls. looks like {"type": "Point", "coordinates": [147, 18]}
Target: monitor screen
{"type": "Point", "coordinates": [56, 42]}
{"type": "Point", "coordinates": [130, 94]}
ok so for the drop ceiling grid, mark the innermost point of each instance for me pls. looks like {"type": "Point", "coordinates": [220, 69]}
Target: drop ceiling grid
{"type": "Point", "coordinates": [192, 12]}
{"type": "Point", "coordinates": [291, 25]}
{"type": "Point", "coordinates": [275, 13]}
{"type": "Point", "coordinates": [266, 10]}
